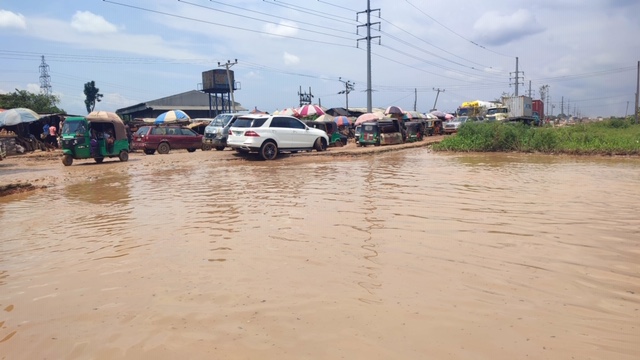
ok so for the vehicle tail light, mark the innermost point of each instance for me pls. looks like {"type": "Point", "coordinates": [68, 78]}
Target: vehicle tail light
{"type": "Point", "coordinates": [251, 133]}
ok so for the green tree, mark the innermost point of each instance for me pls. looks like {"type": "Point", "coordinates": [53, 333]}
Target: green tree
{"type": "Point", "coordinates": [40, 103]}
{"type": "Point", "coordinates": [92, 95]}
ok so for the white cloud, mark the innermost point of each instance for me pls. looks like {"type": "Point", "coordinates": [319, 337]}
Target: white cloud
{"type": "Point", "coordinates": [494, 28]}
{"type": "Point", "coordinates": [87, 22]}
{"type": "Point", "coordinates": [285, 28]}
{"type": "Point", "coordinates": [33, 88]}
{"type": "Point", "coordinates": [9, 19]}
{"type": "Point", "coordinates": [290, 59]}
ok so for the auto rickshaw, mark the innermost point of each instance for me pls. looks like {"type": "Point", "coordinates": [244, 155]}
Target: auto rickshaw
{"type": "Point", "coordinates": [434, 127]}
{"type": "Point", "coordinates": [96, 138]}
{"type": "Point", "coordinates": [381, 132]}
{"type": "Point", "coordinates": [331, 128]}
{"type": "Point", "coordinates": [415, 130]}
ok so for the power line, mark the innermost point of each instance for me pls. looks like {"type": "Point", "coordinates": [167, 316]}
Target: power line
{"type": "Point", "coordinates": [455, 33]}
{"type": "Point", "coordinates": [227, 25]}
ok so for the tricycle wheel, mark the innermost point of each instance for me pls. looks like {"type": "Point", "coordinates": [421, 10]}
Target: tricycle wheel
{"type": "Point", "coordinates": [98, 160]}
{"type": "Point", "coordinates": [124, 156]}
{"type": "Point", "coordinates": [67, 160]}
{"type": "Point", "coordinates": [206, 147]}
{"type": "Point", "coordinates": [149, 151]}
{"type": "Point", "coordinates": [219, 148]}
{"type": "Point", "coordinates": [191, 149]}
{"type": "Point", "coordinates": [163, 148]}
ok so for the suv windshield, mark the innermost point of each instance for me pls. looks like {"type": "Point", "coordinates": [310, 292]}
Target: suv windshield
{"type": "Point", "coordinates": [221, 120]}
{"type": "Point", "coordinates": [249, 122]}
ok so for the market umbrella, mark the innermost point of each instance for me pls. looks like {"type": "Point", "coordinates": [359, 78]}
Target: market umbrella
{"type": "Point", "coordinates": [310, 110]}
{"type": "Point", "coordinates": [324, 117]}
{"type": "Point", "coordinates": [103, 115]}
{"type": "Point", "coordinates": [393, 110]}
{"type": "Point", "coordinates": [369, 117]}
{"type": "Point", "coordinates": [342, 121]}
{"type": "Point", "coordinates": [288, 112]}
{"type": "Point", "coordinates": [172, 116]}
{"type": "Point", "coordinates": [17, 116]}
{"type": "Point", "coordinates": [438, 114]}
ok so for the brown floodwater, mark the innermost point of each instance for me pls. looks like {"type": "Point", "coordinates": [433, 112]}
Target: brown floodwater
{"type": "Point", "coordinates": [401, 255]}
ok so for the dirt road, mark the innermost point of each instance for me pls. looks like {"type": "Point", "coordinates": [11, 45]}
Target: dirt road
{"type": "Point", "coordinates": [41, 170]}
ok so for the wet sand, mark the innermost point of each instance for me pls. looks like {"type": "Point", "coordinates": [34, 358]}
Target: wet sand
{"type": "Point", "coordinates": [399, 255]}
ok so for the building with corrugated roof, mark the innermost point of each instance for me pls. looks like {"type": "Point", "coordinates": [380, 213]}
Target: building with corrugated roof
{"type": "Point", "coordinates": [195, 103]}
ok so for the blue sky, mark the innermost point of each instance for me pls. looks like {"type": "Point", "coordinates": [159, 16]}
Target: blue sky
{"type": "Point", "coordinates": [138, 50]}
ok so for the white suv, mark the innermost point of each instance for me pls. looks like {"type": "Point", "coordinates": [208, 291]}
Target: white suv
{"type": "Point", "coordinates": [269, 135]}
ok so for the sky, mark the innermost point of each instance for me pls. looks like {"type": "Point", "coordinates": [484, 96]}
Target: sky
{"type": "Point", "coordinates": [587, 52]}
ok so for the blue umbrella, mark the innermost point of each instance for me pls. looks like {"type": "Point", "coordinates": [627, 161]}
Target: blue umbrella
{"type": "Point", "coordinates": [172, 116]}
{"type": "Point", "coordinates": [17, 116]}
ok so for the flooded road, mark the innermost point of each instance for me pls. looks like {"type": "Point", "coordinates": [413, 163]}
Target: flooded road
{"type": "Point", "coordinates": [401, 255]}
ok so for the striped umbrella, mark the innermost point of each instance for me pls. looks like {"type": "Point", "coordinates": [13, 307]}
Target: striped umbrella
{"type": "Point", "coordinates": [342, 120]}
{"type": "Point", "coordinates": [172, 116]}
{"type": "Point", "coordinates": [310, 110]}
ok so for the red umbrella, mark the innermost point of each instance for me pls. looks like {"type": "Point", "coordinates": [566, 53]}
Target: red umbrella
{"type": "Point", "coordinates": [310, 110]}
{"type": "Point", "coordinates": [368, 117]}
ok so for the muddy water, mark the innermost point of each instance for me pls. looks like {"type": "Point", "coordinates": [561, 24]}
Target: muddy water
{"type": "Point", "coordinates": [404, 255]}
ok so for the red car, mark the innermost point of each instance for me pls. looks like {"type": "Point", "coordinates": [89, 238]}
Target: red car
{"type": "Point", "coordinates": [166, 138]}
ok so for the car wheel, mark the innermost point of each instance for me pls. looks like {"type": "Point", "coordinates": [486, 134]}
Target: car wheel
{"type": "Point", "coordinates": [124, 156]}
{"type": "Point", "coordinates": [67, 160]}
{"type": "Point", "coordinates": [269, 150]}
{"type": "Point", "coordinates": [191, 150]}
{"type": "Point", "coordinates": [320, 145]}
{"type": "Point", "coordinates": [98, 160]}
{"type": "Point", "coordinates": [219, 148]}
{"type": "Point", "coordinates": [163, 148]}
{"type": "Point", "coordinates": [149, 151]}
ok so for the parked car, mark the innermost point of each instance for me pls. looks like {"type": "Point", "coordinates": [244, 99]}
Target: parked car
{"type": "Point", "coordinates": [454, 125]}
{"type": "Point", "coordinates": [269, 135]}
{"type": "Point", "coordinates": [217, 132]}
{"type": "Point", "coordinates": [165, 138]}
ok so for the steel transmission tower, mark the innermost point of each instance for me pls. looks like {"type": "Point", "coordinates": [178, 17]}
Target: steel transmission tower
{"type": "Point", "coordinates": [368, 38]}
{"type": "Point", "coordinates": [45, 79]}
{"type": "Point", "coordinates": [517, 77]}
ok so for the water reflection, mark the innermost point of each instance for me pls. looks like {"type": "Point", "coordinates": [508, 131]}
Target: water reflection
{"type": "Point", "coordinates": [249, 255]}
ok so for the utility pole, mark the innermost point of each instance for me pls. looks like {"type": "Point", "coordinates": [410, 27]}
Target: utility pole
{"type": "Point", "coordinates": [569, 107]}
{"type": "Point", "coordinates": [637, 92]}
{"type": "Point", "coordinates": [227, 65]}
{"type": "Point", "coordinates": [415, 99]}
{"type": "Point", "coordinates": [438, 94]}
{"type": "Point", "coordinates": [530, 91]}
{"type": "Point", "coordinates": [45, 79]}
{"type": "Point", "coordinates": [368, 38]}
{"type": "Point", "coordinates": [562, 106]}
{"type": "Point", "coordinates": [305, 98]}
{"type": "Point", "coordinates": [517, 77]}
{"type": "Point", "coordinates": [348, 87]}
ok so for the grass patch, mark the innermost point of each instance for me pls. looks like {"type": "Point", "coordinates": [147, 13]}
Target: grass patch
{"type": "Point", "coordinates": [609, 137]}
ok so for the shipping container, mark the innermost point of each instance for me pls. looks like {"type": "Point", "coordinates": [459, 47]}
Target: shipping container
{"type": "Point", "coordinates": [519, 106]}
{"type": "Point", "coordinates": [538, 108]}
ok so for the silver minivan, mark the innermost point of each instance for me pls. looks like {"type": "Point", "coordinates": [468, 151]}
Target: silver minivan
{"type": "Point", "coordinates": [217, 132]}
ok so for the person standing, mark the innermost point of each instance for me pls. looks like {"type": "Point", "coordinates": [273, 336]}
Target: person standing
{"type": "Point", "coordinates": [53, 136]}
